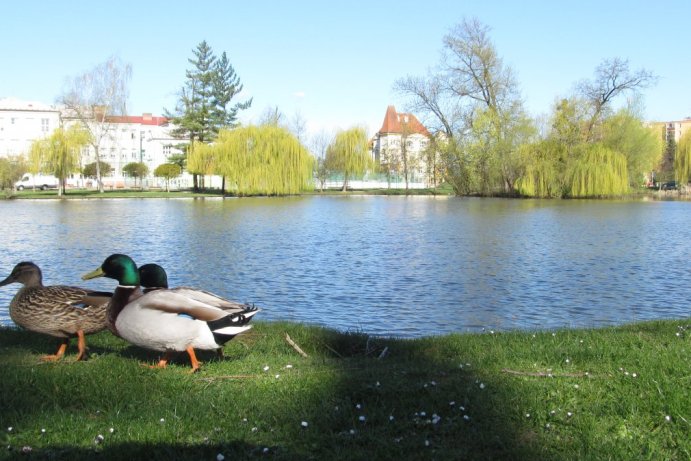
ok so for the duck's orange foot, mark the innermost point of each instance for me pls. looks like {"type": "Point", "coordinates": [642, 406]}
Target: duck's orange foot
{"type": "Point", "coordinates": [58, 355]}
{"type": "Point", "coordinates": [193, 359]}
{"type": "Point", "coordinates": [51, 358]}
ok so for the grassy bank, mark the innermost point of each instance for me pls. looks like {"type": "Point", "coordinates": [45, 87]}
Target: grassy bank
{"type": "Point", "coordinates": [613, 393]}
{"type": "Point", "coordinates": [157, 193]}
{"type": "Point", "coordinates": [117, 193]}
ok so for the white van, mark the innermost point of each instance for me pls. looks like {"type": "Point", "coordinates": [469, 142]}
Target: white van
{"type": "Point", "coordinates": [39, 181]}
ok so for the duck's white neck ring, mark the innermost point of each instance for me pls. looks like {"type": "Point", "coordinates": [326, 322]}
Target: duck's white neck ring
{"type": "Point", "coordinates": [127, 286]}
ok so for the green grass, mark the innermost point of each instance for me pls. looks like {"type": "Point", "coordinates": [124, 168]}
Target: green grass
{"type": "Point", "coordinates": [613, 393]}
{"type": "Point", "coordinates": [117, 193]}
{"type": "Point", "coordinates": [157, 193]}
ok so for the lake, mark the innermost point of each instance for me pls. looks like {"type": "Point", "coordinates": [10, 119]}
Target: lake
{"type": "Point", "coordinates": [395, 266]}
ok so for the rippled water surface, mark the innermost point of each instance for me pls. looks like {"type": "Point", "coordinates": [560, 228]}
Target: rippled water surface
{"type": "Point", "coordinates": [402, 266]}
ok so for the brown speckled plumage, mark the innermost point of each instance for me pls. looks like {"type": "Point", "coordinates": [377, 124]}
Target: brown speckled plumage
{"type": "Point", "coordinates": [56, 311]}
{"type": "Point", "coordinates": [60, 311]}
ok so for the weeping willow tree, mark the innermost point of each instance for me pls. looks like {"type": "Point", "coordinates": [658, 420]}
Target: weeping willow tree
{"type": "Point", "coordinates": [541, 176]}
{"type": "Point", "coordinates": [255, 160]}
{"type": "Point", "coordinates": [597, 172]}
{"type": "Point", "coordinates": [349, 154]}
{"type": "Point", "coordinates": [642, 145]}
{"type": "Point", "coordinates": [59, 153]}
{"type": "Point", "coordinates": [36, 159]}
{"type": "Point", "coordinates": [682, 160]}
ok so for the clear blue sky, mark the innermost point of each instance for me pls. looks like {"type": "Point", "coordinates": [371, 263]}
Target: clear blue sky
{"type": "Point", "coordinates": [335, 62]}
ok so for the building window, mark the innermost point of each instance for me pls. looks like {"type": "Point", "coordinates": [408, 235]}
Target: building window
{"type": "Point", "coordinates": [167, 150]}
{"type": "Point", "coordinates": [45, 125]}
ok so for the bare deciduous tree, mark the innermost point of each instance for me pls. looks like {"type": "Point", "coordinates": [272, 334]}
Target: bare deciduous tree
{"type": "Point", "coordinates": [93, 97]}
{"type": "Point", "coordinates": [612, 78]}
{"type": "Point", "coordinates": [473, 68]}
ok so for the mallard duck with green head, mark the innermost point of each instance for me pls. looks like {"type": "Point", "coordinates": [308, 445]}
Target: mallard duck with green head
{"type": "Point", "coordinates": [153, 277]}
{"type": "Point", "coordinates": [58, 310]}
{"type": "Point", "coordinates": [163, 320]}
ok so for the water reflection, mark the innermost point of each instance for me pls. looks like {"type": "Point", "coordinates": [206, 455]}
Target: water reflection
{"type": "Point", "coordinates": [404, 266]}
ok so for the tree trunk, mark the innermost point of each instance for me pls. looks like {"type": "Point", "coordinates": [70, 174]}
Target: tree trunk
{"type": "Point", "coordinates": [98, 171]}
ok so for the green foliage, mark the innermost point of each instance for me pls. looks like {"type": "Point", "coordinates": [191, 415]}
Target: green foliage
{"type": "Point", "coordinates": [179, 159]}
{"type": "Point", "coordinates": [541, 177]}
{"type": "Point", "coordinates": [598, 171]}
{"type": "Point", "coordinates": [11, 170]}
{"type": "Point", "coordinates": [167, 171]}
{"type": "Point", "coordinates": [204, 104]}
{"type": "Point", "coordinates": [682, 161]}
{"type": "Point", "coordinates": [457, 166]}
{"type": "Point", "coordinates": [255, 160]}
{"type": "Point", "coordinates": [136, 169]}
{"type": "Point", "coordinates": [348, 154]}
{"type": "Point", "coordinates": [226, 86]}
{"type": "Point", "coordinates": [642, 146]}
{"type": "Point", "coordinates": [89, 170]}
{"type": "Point", "coordinates": [568, 123]}
{"type": "Point", "coordinates": [59, 153]}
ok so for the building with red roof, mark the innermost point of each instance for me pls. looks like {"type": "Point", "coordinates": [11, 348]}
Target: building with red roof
{"type": "Point", "coordinates": [400, 145]}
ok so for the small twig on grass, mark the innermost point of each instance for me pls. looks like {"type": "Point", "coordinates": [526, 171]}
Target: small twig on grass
{"type": "Point", "coordinates": [546, 375]}
{"type": "Point", "coordinates": [211, 379]}
{"type": "Point", "coordinates": [384, 352]}
{"type": "Point", "coordinates": [332, 349]}
{"type": "Point", "coordinates": [295, 346]}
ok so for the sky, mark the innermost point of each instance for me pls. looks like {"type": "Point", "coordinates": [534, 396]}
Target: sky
{"type": "Point", "coordinates": [334, 64]}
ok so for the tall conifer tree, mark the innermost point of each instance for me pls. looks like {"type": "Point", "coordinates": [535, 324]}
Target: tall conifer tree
{"type": "Point", "coordinates": [205, 100]}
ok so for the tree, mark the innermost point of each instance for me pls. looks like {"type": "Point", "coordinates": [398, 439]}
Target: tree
{"type": "Point", "coordinates": [298, 126]}
{"type": "Point", "coordinates": [599, 171]}
{"type": "Point", "coordinates": [612, 78]}
{"type": "Point", "coordinates": [167, 171]}
{"type": "Point", "coordinates": [92, 98]}
{"type": "Point", "coordinates": [136, 170]}
{"type": "Point", "coordinates": [471, 100]}
{"type": "Point", "coordinates": [626, 133]}
{"type": "Point", "coordinates": [320, 143]}
{"type": "Point", "coordinates": [682, 160]}
{"type": "Point", "coordinates": [666, 167]}
{"type": "Point", "coordinates": [90, 170]}
{"type": "Point", "coordinates": [204, 105]}
{"type": "Point", "coordinates": [179, 160]}
{"type": "Point", "coordinates": [348, 154]}
{"type": "Point", "coordinates": [389, 163]}
{"type": "Point", "coordinates": [60, 152]}
{"type": "Point", "coordinates": [263, 159]}
{"type": "Point", "coordinates": [272, 116]}
{"type": "Point", "coordinates": [226, 86]}
{"type": "Point", "coordinates": [473, 68]}
{"type": "Point", "coordinates": [11, 170]}
{"type": "Point", "coordinates": [542, 176]}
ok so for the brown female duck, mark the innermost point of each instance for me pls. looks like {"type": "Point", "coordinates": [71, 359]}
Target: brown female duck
{"type": "Point", "coordinates": [60, 311]}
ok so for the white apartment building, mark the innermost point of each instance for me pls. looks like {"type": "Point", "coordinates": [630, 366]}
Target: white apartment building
{"type": "Point", "coordinates": [134, 138]}
{"type": "Point", "coordinates": [144, 138]}
{"type": "Point", "coordinates": [22, 122]}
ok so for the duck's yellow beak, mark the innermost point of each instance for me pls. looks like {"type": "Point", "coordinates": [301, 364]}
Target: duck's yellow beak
{"type": "Point", "coordinates": [93, 274]}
